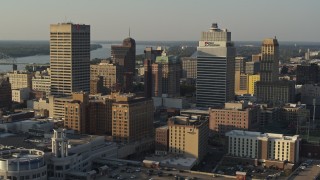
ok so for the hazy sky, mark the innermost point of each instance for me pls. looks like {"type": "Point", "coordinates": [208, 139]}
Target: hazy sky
{"type": "Point", "coordinates": [249, 20]}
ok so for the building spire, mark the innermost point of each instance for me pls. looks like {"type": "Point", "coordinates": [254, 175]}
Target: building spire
{"type": "Point", "coordinates": [129, 31]}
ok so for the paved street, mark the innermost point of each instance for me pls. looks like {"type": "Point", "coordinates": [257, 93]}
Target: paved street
{"type": "Point", "coordinates": [310, 172]}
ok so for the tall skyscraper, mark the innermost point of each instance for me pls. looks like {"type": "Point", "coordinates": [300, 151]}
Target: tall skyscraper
{"type": "Point", "coordinates": [215, 67]}
{"type": "Point", "coordinates": [150, 57]}
{"type": "Point", "coordinates": [125, 56]}
{"type": "Point", "coordinates": [69, 58]}
{"type": "Point", "coordinates": [269, 64]}
{"type": "Point", "coordinates": [269, 88]}
{"type": "Point", "coordinates": [166, 71]}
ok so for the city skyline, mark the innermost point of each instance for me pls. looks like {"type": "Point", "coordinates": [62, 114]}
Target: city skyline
{"type": "Point", "coordinates": [254, 21]}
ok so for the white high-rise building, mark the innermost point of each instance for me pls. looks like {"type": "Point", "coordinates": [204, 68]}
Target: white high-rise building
{"type": "Point", "coordinates": [69, 58]}
{"type": "Point", "coordinates": [215, 67]}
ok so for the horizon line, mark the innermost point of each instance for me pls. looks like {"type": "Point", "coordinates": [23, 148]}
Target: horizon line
{"type": "Point", "coordinates": [291, 41]}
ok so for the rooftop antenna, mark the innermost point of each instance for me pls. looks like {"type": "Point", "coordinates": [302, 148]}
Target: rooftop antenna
{"type": "Point", "coordinates": [129, 32]}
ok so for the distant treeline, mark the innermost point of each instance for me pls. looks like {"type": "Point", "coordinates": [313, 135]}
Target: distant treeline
{"type": "Point", "coordinates": [29, 48]}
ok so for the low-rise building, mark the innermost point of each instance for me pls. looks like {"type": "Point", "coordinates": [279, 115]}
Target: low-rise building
{"type": "Point", "coordinates": [264, 148]}
{"type": "Point", "coordinates": [29, 126]}
{"type": "Point", "coordinates": [72, 154]}
{"type": "Point", "coordinates": [23, 164]}
{"type": "Point", "coordinates": [234, 115]}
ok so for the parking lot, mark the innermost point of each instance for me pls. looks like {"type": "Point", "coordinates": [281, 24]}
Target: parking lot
{"type": "Point", "coordinates": [227, 167]}
{"type": "Point", "coordinates": [129, 172]}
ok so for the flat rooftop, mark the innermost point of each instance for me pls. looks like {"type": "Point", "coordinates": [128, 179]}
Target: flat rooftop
{"type": "Point", "coordinates": [274, 136]}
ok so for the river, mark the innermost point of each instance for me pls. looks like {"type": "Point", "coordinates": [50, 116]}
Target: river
{"type": "Point", "coordinates": [103, 52]}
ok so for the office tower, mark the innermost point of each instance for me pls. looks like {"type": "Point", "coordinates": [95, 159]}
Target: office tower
{"type": "Point", "coordinates": [75, 112]}
{"type": "Point", "coordinates": [19, 79]}
{"type": "Point", "coordinates": [269, 64]}
{"type": "Point", "coordinates": [132, 118]}
{"type": "Point", "coordinates": [188, 137]}
{"type": "Point", "coordinates": [5, 93]}
{"type": "Point", "coordinates": [267, 148]}
{"type": "Point", "coordinates": [111, 73]}
{"type": "Point", "coordinates": [189, 67]}
{"type": "Point", "coordinates": [166, 71]}
{"type": "Point", "coordinates": [215, 67]}
{"type": "Point", "coordinates": [100, 115]}
{"type": "Point", "coordinates": [308, 74]}
{"type": "Point", "coordinates": [69, 58]}
{"type": "Point", "coordinates": [234, 115]}
{"type": "Point", "coordinates": [23, 163]}
{"type": "Point", "coordinates": [125, 56]}
{"type": "Point", "coordinates": [41, 82]}
{"type": "Point", "coordinates": [269, 88]}
{"type": "Point", "coordinates": [150, 57]}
